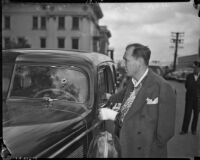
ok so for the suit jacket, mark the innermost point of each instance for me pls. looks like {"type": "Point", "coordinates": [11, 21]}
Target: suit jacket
{"type": "Point", "coordinates": [192, 91]}
{"type": "Point", "coordinates": [147, 128]}
{"type": "Point", "coordinates": [192, 86]}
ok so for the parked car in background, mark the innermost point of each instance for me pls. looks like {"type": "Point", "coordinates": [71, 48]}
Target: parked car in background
{"type": "Point", "coordinates": [51, 100]}
{"type": "Point", "coordinates": [157, 69]}
{"type": "Point", "coordinates": [179, 75]}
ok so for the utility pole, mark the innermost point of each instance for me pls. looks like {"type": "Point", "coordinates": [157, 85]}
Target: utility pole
{"type": "Point", "coordinates": [176, 38]}
{"type": "Point", "coordinates": [196, 5]}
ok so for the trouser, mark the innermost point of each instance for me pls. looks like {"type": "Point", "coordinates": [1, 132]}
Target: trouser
{"type": "Point", "coordinates": [189, 108]}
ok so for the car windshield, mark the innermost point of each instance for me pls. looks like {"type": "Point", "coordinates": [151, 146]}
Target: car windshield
{"type": "Point", "coordinates": [55, 82]}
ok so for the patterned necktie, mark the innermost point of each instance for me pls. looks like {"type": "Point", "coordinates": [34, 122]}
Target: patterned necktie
{"type": "Point", "coordinates": [124, 109]}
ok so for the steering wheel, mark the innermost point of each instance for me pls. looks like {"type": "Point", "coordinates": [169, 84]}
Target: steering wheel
{"type": "Point", "coordinates": [64, 95]}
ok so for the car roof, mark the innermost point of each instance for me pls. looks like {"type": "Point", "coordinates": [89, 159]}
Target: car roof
{"type": "Point", "coordinates": [72, 55]}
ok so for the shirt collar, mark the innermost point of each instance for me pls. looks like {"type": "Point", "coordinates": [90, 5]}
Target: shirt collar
{"type": "Point", "coordinates": [136, 83]}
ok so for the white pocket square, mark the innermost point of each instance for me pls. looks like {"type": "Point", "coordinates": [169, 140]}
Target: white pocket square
{"type": "Point", "coordinates": [151, 101]}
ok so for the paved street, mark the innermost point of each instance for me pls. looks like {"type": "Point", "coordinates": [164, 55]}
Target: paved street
{"type": "Point", "coordinates": [183, 145]}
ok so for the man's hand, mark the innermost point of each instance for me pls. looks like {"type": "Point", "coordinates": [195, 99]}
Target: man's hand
{"type": "Point", "coordinates": [107, 114]}
{"type": "Point", "coordinates": [108, 95]}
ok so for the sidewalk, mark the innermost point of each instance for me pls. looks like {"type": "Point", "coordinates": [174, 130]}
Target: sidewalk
{"type": "Point", "coordinates": [183, 146]}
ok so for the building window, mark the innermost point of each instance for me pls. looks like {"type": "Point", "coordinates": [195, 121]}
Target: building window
{"type": "Point", "coordinates": [61, 22]}
{"type": "Point", "coordinates": [7, 22]}
{"type": "Point", "coordinates": [42, 42]}
{"type": "Point", "coordinates": [35, 22]}
{"type": "Point", "coordinates": [95, 44]}
{"type": "Point", "coordinates": [20, 40]}
{"type": "Point", "coordinates": [75, 23]}
{"type": "Point", "coordinates": [75, 43]}
{"type": "Point", "coordinates": [6, 42]}
{"type": "Point", "coordinates": [43, 22]}
{"type": "Point", "coordinates": [61, 42]}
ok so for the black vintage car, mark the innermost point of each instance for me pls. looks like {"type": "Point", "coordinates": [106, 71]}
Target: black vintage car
{"type": "Point", "coordinates": [51, 100]}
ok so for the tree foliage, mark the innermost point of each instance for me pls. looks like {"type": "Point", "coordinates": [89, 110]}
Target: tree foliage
{"type": "Point", "coordinates": [11, 44]}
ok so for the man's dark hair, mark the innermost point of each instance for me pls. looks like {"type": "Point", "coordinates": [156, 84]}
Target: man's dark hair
{"type": "Point", "coordinates": [140, 51]}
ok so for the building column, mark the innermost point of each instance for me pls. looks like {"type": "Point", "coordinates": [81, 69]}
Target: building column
{"type": "Point", "coordinates": [51, 32]}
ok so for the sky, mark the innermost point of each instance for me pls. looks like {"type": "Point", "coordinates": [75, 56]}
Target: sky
{"type": "Point", "coordinates": [151, 24]}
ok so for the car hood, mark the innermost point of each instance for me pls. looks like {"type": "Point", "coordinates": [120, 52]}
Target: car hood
{"type": "Point", "coordinates": [29, 130]}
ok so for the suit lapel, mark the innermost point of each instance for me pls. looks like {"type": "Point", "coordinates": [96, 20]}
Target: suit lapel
{"type": "Point", "coordinates": [141, 96]}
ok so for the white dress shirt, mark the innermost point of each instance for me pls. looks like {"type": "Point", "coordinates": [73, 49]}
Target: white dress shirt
{"type": "Point", "coordinates": [136, 83]}
{"type": "Point", "coordinates": [196, 76]}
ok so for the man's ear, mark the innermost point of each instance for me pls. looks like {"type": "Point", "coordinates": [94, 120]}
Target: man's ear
{"type": "Point", "coordinates": [141, 61]}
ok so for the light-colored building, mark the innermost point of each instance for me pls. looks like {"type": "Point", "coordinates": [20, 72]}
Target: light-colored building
{"type": "Point", "coordinates": [105, 35]}
{"type": "Point", "coordinates": [55, 26]}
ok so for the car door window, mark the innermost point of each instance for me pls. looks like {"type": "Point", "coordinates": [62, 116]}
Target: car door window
{"type": "Point", "coordinates": [101, 86]}
{"type": "Point", "coordinates": [105, 84]}
{"type": "Point", "coordinates": [110, 80]}
{"type": "Point", "coordinates": [55, 82]}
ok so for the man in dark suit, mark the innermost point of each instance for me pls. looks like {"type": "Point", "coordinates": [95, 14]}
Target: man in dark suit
{"type": "Point", "coordinates": [145, 121]}
{"type": "Point", "coordinates": [192, 100]}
